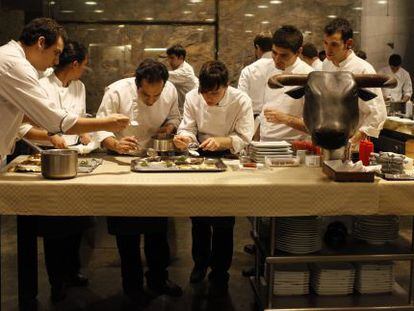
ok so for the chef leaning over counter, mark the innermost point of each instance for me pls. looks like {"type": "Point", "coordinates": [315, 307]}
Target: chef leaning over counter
{"type": "Point", "coordinates": [38, 48]}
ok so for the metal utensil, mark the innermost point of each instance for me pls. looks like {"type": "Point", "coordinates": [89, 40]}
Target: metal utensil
{"type": "Point", "coordinates": [192, 149]}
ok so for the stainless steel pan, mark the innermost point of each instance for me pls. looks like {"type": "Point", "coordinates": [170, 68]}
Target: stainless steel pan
{"type": "Point", "coordinates": [57, 163]}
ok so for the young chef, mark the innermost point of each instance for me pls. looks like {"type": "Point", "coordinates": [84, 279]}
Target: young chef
{"type": "Point", "coordinates": [340, 57]}
{"type": "Point", "coordinates": [38, 48]}
{"type": "Point", "coordinates": [252, 79]}
{"type": "Point", "coordinates": [150, 101]}
{"type": "Point", "coordinates": [182, 73]}
{"type": "Point", "coordinates": [404, 89]}
{"type": "Point", "coordinates": [282, 115]}
{"type": "Point", "coordinates": [67, 92]}
{"type": "Point", "coordinates": [220, 118]}
{"type": "Point", "coordinates": [62, 235]}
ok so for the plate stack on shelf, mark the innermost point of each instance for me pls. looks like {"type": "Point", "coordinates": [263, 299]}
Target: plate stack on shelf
{"type": "Point", "coordinates": [298, 235]}
{"type": "Point", "coordinates": [376, 229]}
{"type": "Point", "coordinates": [291, 279]}
{"type": "Point", "coordinates": [375, 277]}
{"type": "Point", "coordinates": [272, 149]}
{"type": "Point", "coordinates": [332, 278]}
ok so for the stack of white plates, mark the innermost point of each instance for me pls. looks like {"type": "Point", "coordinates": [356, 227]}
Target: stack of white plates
{"type": "Point", "coordinates": [271, 149]}
{"type": "Point", "coordinates": [298, 235]}
{"type": "Point", "coordinates": [292, 279]}
{"type": "Point", "coordinates": [332, 278]}
{"type": "Point", "coordinates": [374, 278]}
{"type": "Point", "coordinates": [376, 229]}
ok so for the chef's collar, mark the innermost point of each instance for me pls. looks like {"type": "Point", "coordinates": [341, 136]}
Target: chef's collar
{"type": "Point", "coordinates": [223, 101]}
{"type": "Point", "coordinates": [56, 80]}
{"type": "Point", "coordinates": [293, 66]}
{"type": "Point", "coordinates": [347, 60]}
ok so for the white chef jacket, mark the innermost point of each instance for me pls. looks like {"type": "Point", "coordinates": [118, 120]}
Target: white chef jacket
{"type": "Point", "coordinates": [122, 97]}
{"type": "Point", "coordinates": [317, 64]}
{"type": "Point", "coordinates": [71, 99]}
{"type": "Point", "coordinates": [20, 94]}
{"type": "Point", "coordinates": [277, 99]}
{"type": "Point", "coordinates": [184, 81]}
{"type": "Point", "coordinates": [372, 113]}
{"type": "Point", "coordinates": [232, 117]}
{"type": "Point", "coordinates": [404, 86]}
{"type": "Point", "coordinates": [253, 80]}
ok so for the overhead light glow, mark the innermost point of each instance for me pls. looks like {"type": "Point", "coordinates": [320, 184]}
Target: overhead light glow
{"type": "Point", "coordinates": [332, 16]}
{"type": "Point", "coordinates": [66, 11]}
{"type": "Point", "coordinates": [155, 49]}
{"type": "Point", "coordinates": [91, 3]}
{"type": "Point", "coordinates": [249, 15]}
{"type": "Point", "coordinates": [262, 6]}
{"type": "Point", "coordinates": [275, 2]}
{"type": "Point", "coordinates": [149, 18]}
{"type": "Point", "coordinates": [98, 11]}
{"type": "Point", "coordinates": [265, 22]}
{"type": "Point", "coordinates": [358, 8]}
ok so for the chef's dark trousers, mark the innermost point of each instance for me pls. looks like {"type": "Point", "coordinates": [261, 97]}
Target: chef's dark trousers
{"type": "Point", "coordinates": [62, 257]}
{"type": "Point", "coordinates": [213, 245]}
{"type": "Point", "coordinates": [157, 255]}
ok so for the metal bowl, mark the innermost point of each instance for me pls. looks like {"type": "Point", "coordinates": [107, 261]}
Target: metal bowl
{"type": "Point", "coordinates": [59, 163]}
{"type": "Point", "coordinates": [163, 143]}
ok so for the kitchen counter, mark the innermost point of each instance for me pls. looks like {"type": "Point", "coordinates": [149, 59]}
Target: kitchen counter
{"type": "Point", "coordinates": [112, 189]}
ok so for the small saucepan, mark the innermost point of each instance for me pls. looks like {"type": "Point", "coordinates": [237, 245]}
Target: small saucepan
{"type": "Point", "coordinates": [163, 143]}
{"type": "Point", "coordinates": [57, 163]}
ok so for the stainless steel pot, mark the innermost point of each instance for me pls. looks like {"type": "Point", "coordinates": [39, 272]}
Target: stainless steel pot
{"type": "Point", "coordinates": [163, 143]}
{"type": "Point", "coordinates": [59, 163]}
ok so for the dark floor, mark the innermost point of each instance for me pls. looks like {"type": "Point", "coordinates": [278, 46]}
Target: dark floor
{"type": "Point", "coordinates": [101, 265]}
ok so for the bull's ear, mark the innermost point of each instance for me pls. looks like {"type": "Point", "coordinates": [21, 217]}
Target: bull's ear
{"type": "Point", "coordinates": [366, 95]}
{"type": "Point", "coordinates": [297, 92]}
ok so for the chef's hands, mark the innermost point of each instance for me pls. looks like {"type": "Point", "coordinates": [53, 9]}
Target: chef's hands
{"type": "Point", "coordinates": [216, 143]}
{"type": "Point", "coordinates": [58, 142]}
{"type": "Point", "coordinates": [181, 142]}
{"type": "Point", "coordinates": [275, 116]}
{"type": "Point", "coordinates": [85, 139]}
{"type": "Point", "coordinates": [124, 145]}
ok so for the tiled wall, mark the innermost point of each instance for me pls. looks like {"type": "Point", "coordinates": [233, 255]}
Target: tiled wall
{"type": "Point", "coordinates": [11, 24]}
{"type": "Point", "coordinates": [387, 28]}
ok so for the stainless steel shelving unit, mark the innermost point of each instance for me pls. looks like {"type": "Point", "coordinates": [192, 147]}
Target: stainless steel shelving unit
{"type": "Point", "coordinates": [399, 299]}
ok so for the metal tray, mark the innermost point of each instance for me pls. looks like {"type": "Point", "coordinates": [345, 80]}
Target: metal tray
{"type": "Point", "coordinates": [176, 166]}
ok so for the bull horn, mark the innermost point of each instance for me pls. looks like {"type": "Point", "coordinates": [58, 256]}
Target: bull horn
{"type": "Point", "coordinates": [279, 81]}
{"type": "Point", "coordinates": [375, 80]}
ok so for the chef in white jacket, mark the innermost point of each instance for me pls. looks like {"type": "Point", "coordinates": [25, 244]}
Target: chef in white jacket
{"type": "Point", "coordinates": [282, 115]}
{"type": "Point", "coordinates": [152, 108]}
{"type": "Point", "coordinates": [182, 73]}
{"type": "Point", "coordinates": [253, 78]}
{"type": "Point", "coordinates": [340, 57]}
{"type": "Point", "coordinates": [67, 93]}
{"type": "Point", "coordinates": [220, 118]}
{"type": "Point", "coordinates": [151, 102]}
{"type": "Point", "coordinates": [38, 48]}
{"type": "Point", "coordinates": [62, 235]}
{"type": "Point", "coordinates": [404, 89]}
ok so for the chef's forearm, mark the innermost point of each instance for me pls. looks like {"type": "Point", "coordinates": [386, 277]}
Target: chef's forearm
{"type": "Point", "coordinates": [295, 123]}
{"type": "Point", "coordinates": [110, 143]}
{"type": "Point", "coordinates": [86, 125]}
{"type": "Point", "coordinates": [406, 98]}
{"type": "Point", "coordinates": [37, 134]}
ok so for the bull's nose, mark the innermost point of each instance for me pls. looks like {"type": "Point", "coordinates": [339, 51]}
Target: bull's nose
{"type": "Point", "coordinates": [329, 139]}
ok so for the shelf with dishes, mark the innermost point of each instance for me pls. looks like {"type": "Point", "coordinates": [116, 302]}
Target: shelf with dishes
{"type": "Point", "coordinates": [305, 274]}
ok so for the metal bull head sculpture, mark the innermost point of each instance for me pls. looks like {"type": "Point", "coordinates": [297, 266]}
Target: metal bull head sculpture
{"type": "Point", "coordinates": [331, 112]}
